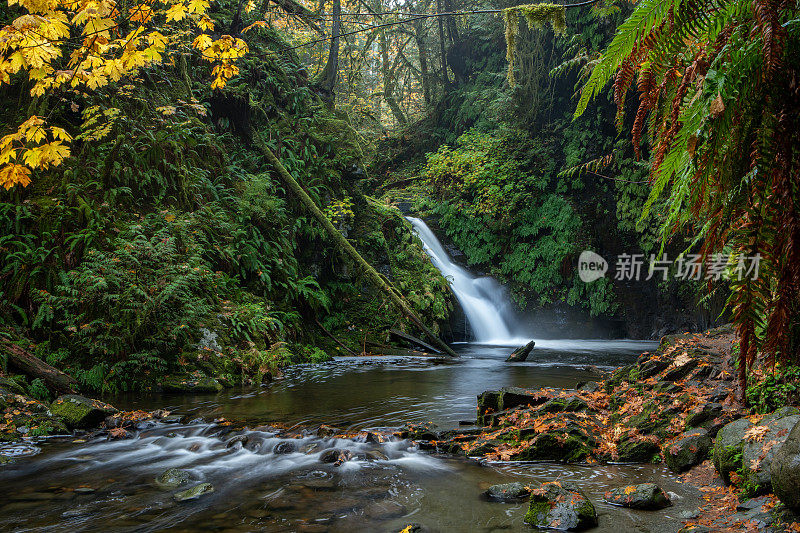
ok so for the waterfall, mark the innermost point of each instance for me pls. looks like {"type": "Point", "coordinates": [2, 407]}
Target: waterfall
{"type": "Point", "coordinates": [484, 301]}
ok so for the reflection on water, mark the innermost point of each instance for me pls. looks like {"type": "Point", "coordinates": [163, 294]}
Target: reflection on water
{"type": "Point", "coordinates": [268, 481]}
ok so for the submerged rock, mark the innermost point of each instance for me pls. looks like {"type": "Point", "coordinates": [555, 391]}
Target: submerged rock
{"type": "Point", "coordinates": [422, 431]}
{"type": "Point", "coordinates": [691, 448]}
{"type": "Point", "coordinates": [191, 384]}
{"type": "Point", "coordinates": [335, 456]}
{"type": "Point", "coordinates": [507, 492]}
{"type": "Point", "coordinates": [194, 493]}
{"type": "Point", "coordinates": [521, 354]}
{"type": "Point", "coordinates": [80, 412]}
{"type": "Point", "coordinates": [646, 496]}
{"type": "Point", "coordinates": [785, 470]}
{"type": "Point", "coordinates": [557, 506]}
{"type": "Point", "coordinates": [173, 478]}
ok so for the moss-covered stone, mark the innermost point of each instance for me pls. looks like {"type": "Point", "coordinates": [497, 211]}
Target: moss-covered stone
{"type": "Point", "coordinates": [646, 496]}
{"type": "Point", "coordinates": [556, 506]}
{"type": "Point", "coordinates": [173, 478]}
{"type": "Point", "coordinates": [191, 384]}
{"type": "Point", "coordinates": [79, 412]}
{"type": "Point", "coordinates": [636, 450]}
{"type": "Point", "coordinates": [194, 493]}
{"type": "Point", "coordinates": [690, 449]}
{"type": "Point", "coordinates": [728, 447]}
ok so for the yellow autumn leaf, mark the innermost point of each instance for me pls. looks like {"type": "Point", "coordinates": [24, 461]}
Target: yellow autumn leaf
{"type": "Point", "coordinates": [11, 175]}
{"type": "Point", "coordinates": [176, 13]}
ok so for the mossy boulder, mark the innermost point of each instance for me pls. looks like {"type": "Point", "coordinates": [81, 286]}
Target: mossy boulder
{"type": "Point", "coordinates": [728, 448]}
{"type": "Point", "coordinates": [689, 449]}
{"type": "Point", "coordinates": [560, 506]}
{"type": "Point", "coordinates": [506, 398]}
{"type": "Point", "coordinates": [637, 450]}
{"type": "Point", "coordinates": [173, 478]}
{"type": "Point", "coordinates": [554, 446]}
{"type": "Point", "coordinates": [507, 492]}
{"type": "Point", "coordinates": [758, 452]}
{"type": "Point", "coordinates": [785, 470]}
{"type": "Point", "coordinates": [191, 384]}
{"type": "Point", "coordinates": [80, 412]}
{"type": "Point", "coordinates": [193, 493]}
{"type": "Point", "coordinates": [645, 496]}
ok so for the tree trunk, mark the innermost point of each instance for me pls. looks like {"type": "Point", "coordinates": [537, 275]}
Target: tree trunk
{"type": "Point", "coordinates": [389, 73]}
{"type": "Point", "coordinates": [327, 79]}
{"type": "Point", "coordinates": [32, 366]}
{"type": "Point", "coordinates": [344, 245]}
{"type": "Point", "coordinates": [423, 63]}
{"type": "Point", "coordinates": [443, 48]}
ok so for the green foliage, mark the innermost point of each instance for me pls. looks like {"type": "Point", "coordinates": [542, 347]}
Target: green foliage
{"type": "Point", "coordinates": [39, 391]}
{"type": "Point", "coordinates": [775, 389]}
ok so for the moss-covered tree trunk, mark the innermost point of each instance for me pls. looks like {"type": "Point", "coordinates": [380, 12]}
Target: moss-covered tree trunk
{"type": "Point", "coordinates": [345, 247]}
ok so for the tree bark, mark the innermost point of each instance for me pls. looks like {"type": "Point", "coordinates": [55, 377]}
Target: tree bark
{"type": "Point", "coordinates": [32, 366]}
{"type": "Point", "coordinates": [389, 72]}
{"type": "Point", "coordinates": [344, 246]}
{"type": "Point", "coordinates": [443, 48]}
{"type": "Point", "coordinates": [423, 62]}
{"type": "Point", "coordinates": [327, 79]}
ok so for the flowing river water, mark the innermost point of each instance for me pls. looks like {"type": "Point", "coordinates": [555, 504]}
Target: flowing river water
{"type": "Point", "coordinates": [269, 480]}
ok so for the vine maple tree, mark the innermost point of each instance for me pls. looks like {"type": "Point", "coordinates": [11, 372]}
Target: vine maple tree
{"type": "Point", "coordinates": [81, 45]}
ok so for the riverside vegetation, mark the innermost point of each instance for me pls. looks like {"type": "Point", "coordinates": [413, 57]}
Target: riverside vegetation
{"type": "Point", "coordinates": [197, 195]}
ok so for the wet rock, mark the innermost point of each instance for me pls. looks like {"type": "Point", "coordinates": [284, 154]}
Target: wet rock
{"type": "Point", "coordinates": [335, 456]}
{"type": "Point", "coordinates": [375, 455]}
{"type": "Point", "coordinates": [728, 447]}
{"type": "Point", "coordinates": [80, 412]}
{"type": "Point", "coordinates": [193, 493]}
{"type": "Point", "coordinates": [241, 440]}
{"type": "Point", "coordinates": [284, 447]}
{"type": "Point", "coordinates": [680, 369]}
{"type": "Point", "coordinates": [589, 386]}
{"type": "Point", "coordinates": [651, 367]}
{"type": "Point", "coordinates": [785, 470]}
{"type": "Point", "coordinates": [759, 450]}
{"type": "Point", "coordinates": [191, 384]}
{"type": "Point", "coordinates": [560, 506]}
{"type": "Point", "coordinates": [327, 431]}
{"type": "Point", "coordinates": [552, 446]}
{"type": "Point", "coordinates": [506, 398]}
{"type": "Point", "coordinates": [384, 510]}
{"type": "Point", "coordinates": [422, 431]}
{"type": "Point", "coordinates": [5, 460]}
{"type": "Point", "coordinates": [173, 478]}
{"type": "Point", "coordinates": [507, 492]}
{"type": "Point", "coordinates": [689, 449]}
{"type": "Point", "coordinates": [568, 404]}
{"type": "Point", "coordinates": [520, 354]}
{"type": "Point", "coordinates": [646, 496]}
{"type": "Point", "coordinates": [632, 450]}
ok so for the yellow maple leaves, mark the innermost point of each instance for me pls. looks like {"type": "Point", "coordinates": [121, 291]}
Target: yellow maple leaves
{"type": "Point", "coordinates": [34, 145]}
{"type": "Point", "coordinates": [88, 44]}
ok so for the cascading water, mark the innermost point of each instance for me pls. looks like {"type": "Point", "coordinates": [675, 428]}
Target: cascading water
{"type": "Point", "coordinates": [484, 301]}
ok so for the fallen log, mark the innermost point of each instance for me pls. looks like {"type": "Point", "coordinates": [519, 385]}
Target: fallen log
{"type": "Point", "coordinates": [384, 349]}
{"type": "Point", "coordinates": [346, 248]}
{"type": "Point", "coordinates": [521, 353]}
{"type": "Point", "coordinates": [32, 366]}
{"type": "Point", "coordinates": [413, 340]}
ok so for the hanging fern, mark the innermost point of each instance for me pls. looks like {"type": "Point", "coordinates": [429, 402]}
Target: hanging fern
{"type": "Point", "coordinates": [719, 102]}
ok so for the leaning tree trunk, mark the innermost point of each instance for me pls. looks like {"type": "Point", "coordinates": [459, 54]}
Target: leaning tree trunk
{"type": "Point", "coordinates": [32, 366]}
{"type": "Point", "coordinates": [442, 47]}
{"type": "Point", "coordinates": [423, 63]}
{"type": "Point", "coordinates": [344, 245]}
{"type": "Point", "coordinates": [327, 79]}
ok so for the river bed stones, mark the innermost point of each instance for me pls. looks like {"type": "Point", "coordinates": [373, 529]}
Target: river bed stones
{"type": "Point", "coordinates": [554, 505]}
{"type": "Point", "coordinates": [335, 456]}
{"type": "Point", "coordinates": [173, 478]}
{"type": "Point", "coordinates": [193, 493]}
{"type": "Point", "coordinates": [80, 412]}
{"type": "Point", "coordinates": [645, 496]}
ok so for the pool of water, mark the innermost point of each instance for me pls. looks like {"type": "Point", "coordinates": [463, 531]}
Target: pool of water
{"type": "Point", "coordinates": [269, 480]}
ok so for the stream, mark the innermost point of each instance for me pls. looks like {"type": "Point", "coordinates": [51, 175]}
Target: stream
{"type": "Point", "coordinates": [270, 480]}
{"type": "Point", "coordinates": [101, 484]}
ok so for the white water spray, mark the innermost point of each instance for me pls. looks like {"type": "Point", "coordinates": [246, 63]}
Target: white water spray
{"type": "Point", "coordinates": [484, 301]}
